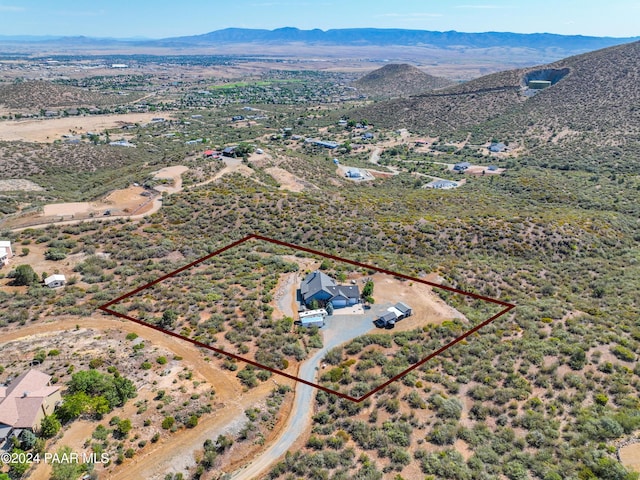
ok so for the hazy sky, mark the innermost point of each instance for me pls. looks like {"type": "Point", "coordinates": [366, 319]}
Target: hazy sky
{"type": "Point", "coordinates": [163, 18]}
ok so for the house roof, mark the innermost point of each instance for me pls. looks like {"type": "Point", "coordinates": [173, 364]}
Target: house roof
{"type": "Point", "coordinates": [388, 316]}
{"type": "Point", "coordinates": [344, 291]}
{"type": "Point", "coordinates": [55, 278]}
{"type": "Point", "coordinates": [404, 308]}
{"type": "Point", "coordinates": [316, 282]}
{"type": "Point", "coordinates": [320, 282]}
{"type": "Point", "coordinates": [20, 402]}
{"type": "Point", "coordinates": [5, 243]}
{"type": "Point", "coordinates": [395, 311]}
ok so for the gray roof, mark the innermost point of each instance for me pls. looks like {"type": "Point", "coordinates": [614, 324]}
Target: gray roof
{"type": "Point", "coordinates": [389, 316]}
{"type": "Point", "coordinates": [318, 281]}
{"type": "Point", "coordinates": [346, 291]}
{"type": "Point", "coordinates": [403, 307]}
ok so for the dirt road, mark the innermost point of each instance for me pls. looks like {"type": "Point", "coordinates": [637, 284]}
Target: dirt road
{"type": "Point", "coordinates": [175, 173]}
{"type": "Point", "coordinates": [300, 416]}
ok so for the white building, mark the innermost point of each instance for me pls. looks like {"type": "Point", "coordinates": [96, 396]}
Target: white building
{"type": "Point", "coordinates": [54, 281]}
{"type": "Point", "coordinates": [5, 252]}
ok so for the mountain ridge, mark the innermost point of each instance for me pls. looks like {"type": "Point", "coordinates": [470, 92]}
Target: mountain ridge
{"type": "Point", "coordinates": [355, 37]}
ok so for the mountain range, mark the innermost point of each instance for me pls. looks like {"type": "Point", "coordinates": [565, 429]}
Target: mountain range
{"type": "Point", "coordinates": [348, 37]}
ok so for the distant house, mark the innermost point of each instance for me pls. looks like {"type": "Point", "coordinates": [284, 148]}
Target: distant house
{"type": "Point", "coordinates": [209, 153]}
{"type": "Point", "coordinates": [5, 252]}
{"type": "Point", "coordinates": [322, 143]}
{"type": "Point", "coordinates": [192, 142]}
{"type": "Point", "coordinates": [229, 151]}
{"type": "Point", "coordinates": [237, 118]}
{"type": "Point", "coordinates": [492, 168]}
{"type": "Point", "coordinates": [54, 281]}
{"type": "Point", "coordinates": [497, 147]}
{"type": "Point", "coordinates": [324, 290]}
{"type": "Point", "coordinates": [157, 120]}
{"type": "Point", "coordinates": [354, 173]}
{"type": "Point", "coordinates": [421, 143]}
{"type": "Point", "coordinates": [122, 143]}
{"type": "Point", "coordinates": [442, 184]}
{"type": "Point", "coordinates": [25, 402]}
{"type": "Point", "coordinates": [51, 113]}
{"type": "Point", "coordinates": [461, 167]}
{"type": "Point", "coordinates": [367, 136]}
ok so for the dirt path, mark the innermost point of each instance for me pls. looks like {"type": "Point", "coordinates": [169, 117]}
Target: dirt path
{"type": "Point", "coordinates": [375, 155]}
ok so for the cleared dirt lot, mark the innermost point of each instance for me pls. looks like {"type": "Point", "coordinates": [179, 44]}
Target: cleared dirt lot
{"type": "Point", "coordinates": [129, 201]}
{"type": "Point", "coordinates": [48, 130]}
{"type": "Point", "coordinates": [630, 457]}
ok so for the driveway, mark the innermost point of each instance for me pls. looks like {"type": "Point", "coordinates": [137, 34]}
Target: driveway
{"type": "Point", "coordinates": [338, 330]}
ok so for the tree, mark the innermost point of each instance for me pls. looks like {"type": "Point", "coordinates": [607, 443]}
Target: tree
{"type": "Point", "coordinates": [243, 150]}
{"type": "Point", "coordinates": [27, 440]}
{"type": "Point", "coordinates": [223, 442]}
{"type": "Point", "coordinates": [329, 308]}
{"type": "Point", "coordinates": [66, 468]}
{"type": "Point", "coordinates": [24, 275]}
{"type": "Point", "coordinates": [367, 291]}
{"type": "Point", "coordinates": [168, 318]}
{"type": "Point", "coordinates": [73, 406]}
{"type": "Point", "coordinates": [123, 428]}
{"type": "Point", "coordinates": [49, 426]}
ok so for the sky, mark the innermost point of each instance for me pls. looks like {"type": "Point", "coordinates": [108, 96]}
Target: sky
{"type": "Point", "coordinates": [163, 18]}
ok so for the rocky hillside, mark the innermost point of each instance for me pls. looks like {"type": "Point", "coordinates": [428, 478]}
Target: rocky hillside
{"type": "Point", "coordinates": [594, 98]}
{"type": "Point", "coordinates": [398, 80]}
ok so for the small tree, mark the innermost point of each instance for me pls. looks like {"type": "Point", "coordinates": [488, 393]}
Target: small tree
{"type": "Point", "coordinates": [329, 308]}
{"type": "Point", "coordinates": [367, 291]}
{"type": "Point", "coordinates": [168, 318]}
{"type": "Point", "coordinates": [49, 426]}
{"type": "Point", "coordinates": [24, 275]}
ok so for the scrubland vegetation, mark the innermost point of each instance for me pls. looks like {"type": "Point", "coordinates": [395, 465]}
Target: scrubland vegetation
{"type": "Point", "coordinates": [545, 392]}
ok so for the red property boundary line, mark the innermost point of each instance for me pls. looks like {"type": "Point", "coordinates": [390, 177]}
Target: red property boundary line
{"type": "Point", "coordinates": [508, 306]}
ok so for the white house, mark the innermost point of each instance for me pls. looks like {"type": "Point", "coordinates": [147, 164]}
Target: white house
{"type": "Point", "coordinates": [56, 280]}
{"type": "Point", "coordinates": [5, 252]}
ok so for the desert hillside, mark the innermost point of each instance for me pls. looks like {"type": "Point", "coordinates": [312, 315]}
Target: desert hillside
{"type": "Point", "coordinates": [399, 80]}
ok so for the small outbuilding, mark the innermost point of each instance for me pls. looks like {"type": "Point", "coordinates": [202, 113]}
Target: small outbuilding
{"type": "Point", "coordinates": [229, 152]}
{"type": "Point", "coordinates": [388, 320]}
{"type": "Point", "coordinates": [354, 173]}
{"type": "Point", "coordinates": [461, 167]}
{"type": "Point", "coordinates": [405, 310]}
{"type": "Point", "coordinates": [56, 280]}
{"type": "Point", "coordinates": [5, 252]}
{"type": "Point", "coordinates": [442, 184]}
{"type": "Point", "coordinates": [497, 147]}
